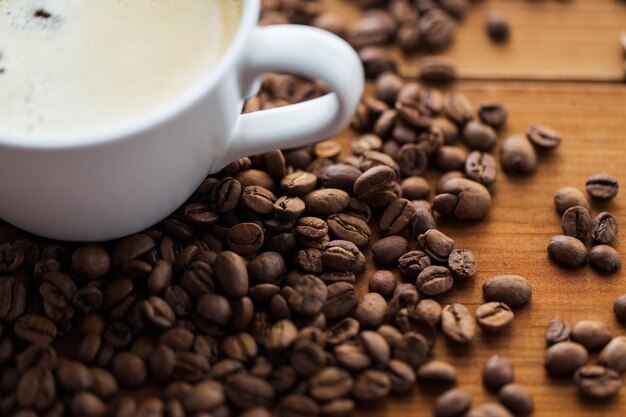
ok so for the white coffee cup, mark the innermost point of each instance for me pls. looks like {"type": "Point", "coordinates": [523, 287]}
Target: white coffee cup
{"type": "Point", "coordinates": [113, 182]}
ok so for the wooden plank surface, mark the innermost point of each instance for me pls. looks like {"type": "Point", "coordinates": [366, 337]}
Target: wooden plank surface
{"type": "Point", "coordinates": [551, 40]}
{"type": "Point", "coordinates": [514, 236]}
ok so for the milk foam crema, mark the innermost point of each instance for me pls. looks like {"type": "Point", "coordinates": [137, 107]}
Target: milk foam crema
{"type": "Point", "coordinates": [78, 65]}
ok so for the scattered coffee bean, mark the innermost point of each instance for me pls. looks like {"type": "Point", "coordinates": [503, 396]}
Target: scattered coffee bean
{"type": "Point", "coordinates": [543, 136]}
{"type": "Point", "coordinates": [463, 199]}
{"type": "Point", "coordinates": [479, 137]}
{"type": "Point", "coordinates": [436, 245]}
{"type": "Point", "coordinates": [602, 186]}
{"type": "Point", "coordinates": [604, 258]}
{"type": "Point", "coordinates": [481, 167]}
{"type": "Point", "coordinates": [388, 250]}
{"type": "Point", "coordinates": [564, 358]}
{"type": "Point", "coordinates": [497, 372]}
{"type": "Point", "coordinates": [604, 228]}
{"type": "Point", "coordinates": [613, 355]}
{"type": "Point", "coordinates": [619, 308]}
{"type": "Point", "coordinates": [457, 323]}
{"type": "Point", "coordinates": [489, 410]}
{"type": "Point", "coordinates": [592, 334]}
{"type": "Point", "coordinates": [576, 222]}
{"type": "Point", "coordinates": [557, 331]}
{"type": "Point", "coordinates": [568, 197]}
{"type": "Point", "coordinates": [452, 403]}
{"type": "Point", "coordinates": [493, 114]}
{"type": "Point", "coordinates": [498, 28]}
{"type": "Point", "coordinates": [518, 157]}
{"type": "Point", "coordinates": [431, 310]}
{"type": "Point", "coordinates": [437, 376]}
{"type": "Point", "coordinates": [512, 290]}
{"type": "Point", "coordinates": [494, 316]}
{"type": "Point", "coordinates": [597, 382]}
{"type": "Point", "coordinates": [383, 282]}
{"type": "Point", "coordinates": [437, 69]}
{"type": "Point", "coordinates": [517, 399]}
{"type": "Point", "coordinates": [462, 264]}
{"type": "Point", "coordinates": [567, 251]}
{"type": "Point", "coordinates": [371, 385]}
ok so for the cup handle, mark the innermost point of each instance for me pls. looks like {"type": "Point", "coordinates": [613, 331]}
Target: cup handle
{"type": "Point", "coordinates": [303, 51]}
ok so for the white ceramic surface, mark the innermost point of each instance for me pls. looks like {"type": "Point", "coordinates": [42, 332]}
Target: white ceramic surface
{"type": "Point", "coordinates": [114, 182]}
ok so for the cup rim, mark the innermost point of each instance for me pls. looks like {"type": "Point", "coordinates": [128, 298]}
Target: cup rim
{"type": "Point", "coordinates": [135, 126]}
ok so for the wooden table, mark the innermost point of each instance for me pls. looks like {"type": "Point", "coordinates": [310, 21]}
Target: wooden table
{"type": "Point", "coordinates": [563, 67]}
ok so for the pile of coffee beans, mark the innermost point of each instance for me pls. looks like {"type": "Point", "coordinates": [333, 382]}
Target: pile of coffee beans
{"type": "Point", "coordinates": [570, 249]}
{"type": "Point", "coordinates": [568, 354]}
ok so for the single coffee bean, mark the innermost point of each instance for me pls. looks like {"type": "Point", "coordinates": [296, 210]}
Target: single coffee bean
{"type": "Point", "coordinates": [457, 323]}
{"type": "Point", "coordinates": [326, 201]}
{"type": "Point", "coordinates": [567, 251]}
{"type": "Point", "coordinates": [245, 391]}
{"type": "Point", "coordinates": [204, 396]}
{"type": "Point", "coordinates": [214, 309]}
{"type": "Point", "coordinates": [422, 220]}
{"type": "Point", "coordinates": [245, 238]}
{"type": "Point", "coordinates": [161, 363]}
{"type": "Point", "coordinates": [129, 370]}
{"type": "Point", "coordinates": [493, 114]}
{"type": "Point", "coordinates": [564, 358]}
{"type": "Point", "coordinates": [158, 312]}
{"type": "Point", "coordinates": [341, 300]}
{"type": "Point", "coordinates": [557, 331]}
{"type": "Point", "coordinates": [312, 232]}
{"type": "Point", "coordinates": [592, 334]}
{"type": "Point", "coordinates": [370, 30]}
{"type": "Point", "coordinates": [602, 186]}
{"type": "Point", "coordinates": [518, 157]}
{"type": "Point", "coordinates": [373, 180]}
{"type": "Point", "coordinates": [342, 255]}
{"type": "Point", "coordinates": [478, 136]}
{"type": "Point", "coordinates": [434, 280]}
{"type": "Point", "coordinates": [464, 199]}
{"type": "Point", "coordinates": [330, 384]}
{"type": "Point", "coordinates": [412, 263]}
{"type": "Point", "coordinates": [431, 311]}
{"type": "Point", "coordinates": [240, 346]}
{"type": "Point", "coordinates": [382, 282]}
{"type": "Point", "coordinates": [43, 356]}
{"type": "Point", "coordinates": [568, 197]}
{"type": "Point", "coordinates": [371, 310]}
{"type": "Point", "coordinates": [498, 28]}
{"type": "Point", "coordinates": [352, 357]}
{"type": "Point", "coordinates": [34, 328]}
{"type": "Point", "coordinates": [604, 228]}
{"type": "Point", "coordinates": [437, 69]}
{"type": "Point", "coordinates": [307, 358]}
{"type": "Point", "coordinates": [340, 176]}
{"type": "Point", "coordinates": [604, 258]}
{"type": "Point", "coordinates": [288, 207]}
{"type": "Point", "coordinates": [437, 376]}
{"type": "Point", "coordinates": [342, 331]}
{"type": "Point", "coordinates": [298, 183]}
{"type": "Point", "coordinates": [402, 376]}
{"type": "Point", "coordinates": [436, 245]}
{"type": "Point", "coordinates": [268, 267]}
{"type": "Point", "coordinates": [462, 264]}
{"type": "Point", "coordinates": [576, 222]}
{"type": "Point", "coordinates": [296, 405]}
{"type": "Point", "coordinates": [597, 382]}
{"type": "Point", "coordinates": [410, 320]}
{"type": "Point", "coordinates": [446, 177]}
{"type": "Point", "coordinates": [308, 296]}
{"type": "Point", "coordinates": [517, 399]}
{"type": "Point", "coordinates": [481, 167]}
{"type": "Point", "coordinates": [90, 262]}
{"type": "Point", "coordinates": [337, 408]}
{"type": "Point", "coordinates": [497, 372]}
{"type": "Point", "coordinates": [12, 298]}
{"type": "Point", "coordinates": [402, 300]}
{"type": "Point", "coordinates": [543, 136]}
{"type": "Point", "coordinates": [396, 217]}
{"type": "Point", "coordinates": [449, 130]}
{"type": "Point", "coordinates": [494, 316]}
{"type": "Point", "coordinates": [412, 348]}
{"type": "Point", "coordinates": [376, 347]}
{"type": "Point", "coordinates": [257, 199]}
{"type": "Point", "coordinates": [614, 354]}
{"type": "Point", "coordinates": [512, 290]}
{"type": "Point", "coordinates": [232, 274]}
{"type": "Point", "coordinates": [388, 250]}
{"type": "Point", "coordinates": [351, 228]}
{"type": "Point", "coordinates": [458, 108]}
{"type": "Point", "coordinates": [451, 158]}
{"type": "Point", "coordinates": [387, 86]}
{"type": "Point", "coordinates": [281, 336]}
{"type": "Point", "coordinates": [453, 403]}
{"type": "Point", "coordinates": [371, 385]}
{"type": "Point", "coordinates": [415, 188]}
{"type": "Point", "coordinates": [73, 376]}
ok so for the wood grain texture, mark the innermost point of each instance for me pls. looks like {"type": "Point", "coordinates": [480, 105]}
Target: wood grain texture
{"type": "Point", "coordinates": [513, 240]}
{"type": "Point", "coordinates": [551, 40]}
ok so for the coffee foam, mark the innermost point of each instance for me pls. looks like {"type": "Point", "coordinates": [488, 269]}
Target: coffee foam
{"type": "Point", "coordinates": [79, 65]}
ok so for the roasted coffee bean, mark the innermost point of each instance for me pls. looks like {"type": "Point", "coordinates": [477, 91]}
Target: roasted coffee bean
{"type": "Point", "coordinates": [498, 28]}
{"type": "Point", "coordinates": [494, 316]}
{"type": "Point", "coordinates": [557, 331]}
{"type": "Point", "coordinates": [245, 238]}
{"type": "Point", "coordinates": [307, 358]}
{"type": "Point", "coordinates": [388, 250]}
{"type": "Point", "coordinates": [567, 250]}
{"type": "Point", "coordinates": [214, 309]}
{"type": "Point", "coordinates": [543, 136]}
{"type": "Point", "coordinates": [517, 399]}
{"type": "Point", "coordinates": [330, 277]}
{"type": "Point", "coordinates": [158, 312]}
{"type": "Point", "coordinates": [619, 308]}
{"type": "Point", "coordinates": [396, 217]}
{"type": "Point", "coordinates": [405, 297]}
{"type": "Point", "coordinates": [412, 263]}
{"type": "Point", "coordinates": [373, 180]}
{"type": "Point", "coordinates": [602, 186]}
{"type": "Point", "coordinates": [410, 320]}
{"type": "Point", "coordinates": [437, 69]}
{"type": "Point", "coordinates": [592, 334]}
{"type": "Point", "coordinates": [281, 335]}
{"type": "Point", "coordinates": [258, 200]}
{"type": "Point", "coordinates": [268, 267]}
{"type": "Point", "coordinates": [341, 176]}
{"type": "Point", "coordinates": [371, 385]}
{"type": "Point", "coordinates": [246, 391]}
{"type": "Point", "coordinates": [576, 222]}
{"type": "Point", "coordinates": [604, 258]}
{"type": "Point", "coordinates": [452, 403]}
{"type": "Point", "coordinates": [288, 208]}
{"type": "Point", "coordinates": [90, 262]}
{"type": "Point", "coordinates": [104, 383]}
{"type": "Point", "coordinates": [337, 408]}
{"type": "Point", "coordinates": [12, 298]}
{"type": "Point", "coordinates": [434, 280]}
{"type": "Point", "coordinates": [564, 358]}
{"type": "Point", "coordinates": [308, 296]}
{"type": "Point", "coordinates": [481, 167]}
{"type": "Point", "coordinates": [87, 404]}
{"type": "Point", "coordinates": [415, 188]}
{"type": "Point", "coordinates": [436, 245]}
{"type": "Point", "coordinates": [179, 300]}
{"type": "Point", "coordinates": [298, 183]}
{"type": "Point", "coordinates": [232, 274]}
{"type": "Point", "coordinates": [382, 282]}
{"type": "Point", "coordinates": [401, 375]}
{"type": "Point", "coordinates": [73, 376]}
{"type": "Point", "coordinates": [489, 410]}
{"type": "Point", "coordinates": [341, 331]}
{"type": "Point", "coordinates": [430, 310]}
{"type": "Point", "coordinates": [204, 396]}
{"type": "Point", "coordinates": [512, 290]}
{"type": "Point", "coordinates": [353, 357]}
{"type": "Point", "coordinates": [370, 30]}
{"type": "Point", "coordinates": [342, 255]}
{"type": "Point", "coordinates": [36, 389]}
{"type": "Point", "coordinates": [34, 328]}
{"type": "Point", "coordinates": [341, 300]}
{"type": "Point", "coordinates": [371, 310]}
{"type": "Point", "coordinates": [437, 29]}
{"type": "Point", "coordinates": [366, 142]}
{"type": "Point", "coordinates": [129, 370]}
{"type": "Point", "coordinates": [312, 232]}
{"type": "Point", "coordinates": [422, 220]}
{"type": "Point", "coordinates": [614, 354]}
{"type": "Point", "coordinates": [296, 405]}
{"type": "Point", "coordinates": [568, 197]}
{"type": "Point", "coordinates": [240, 346]}
{"type": "Point", "coordinates": [463, 199]}
{"type": "Point", "coordinates": [437, 376]}
{"type": "Point", "coordinates": [457, 323]}
{"type": "Point", "coordinates": [478, 136]}
{"type": "Point", "coordinates": [36, 355]}
{"type": "Point", "coordinates": [387, 86]}
{"type": "Point", "coordinates": [604, 228]}
{"type": "Point", "coordinates": [497, 372]}
{"type": "Point", "coordinates": [326, 201]}
{"type": "Point", "coordinates": [412, 159]}
{"type": "Point", "coordinates": [161, 363]}
{"type": "Point", "coordinates": [376, 347]}
{"type": "Point", "coordinates": [351, 228]}
{"type": "Point", "coordinates": [493, 114]}
{"type": "Point", "coordinates": [413, 349]}
{"type": "Point", "coordinates": [450, 158]}
{"type": "Point", "coordinates": [190, 366]}
{"type": "Point", "coordinates": [518, 157]}
{"type": "Point", "coordinates": [330, 384]}
{"type": "Point", "coordinates": [597, 382]}
{"type": "Point", "coordinates": [131, 247]}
